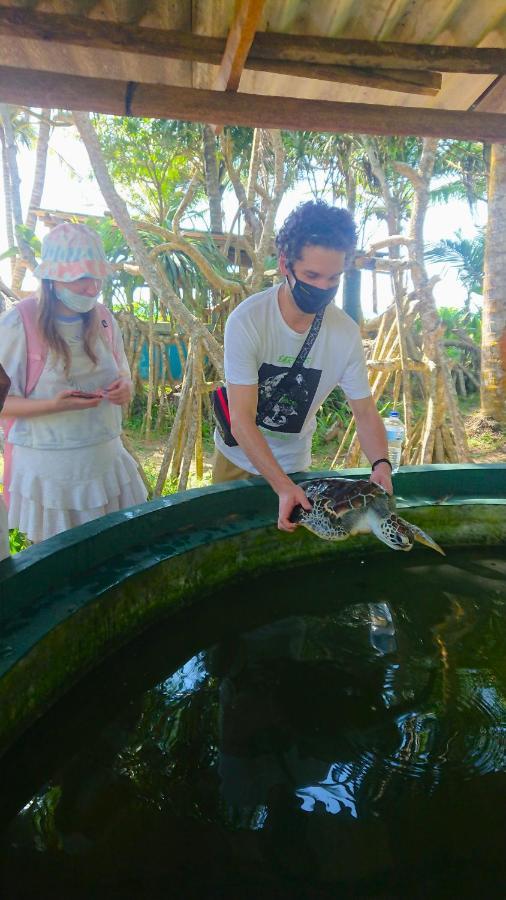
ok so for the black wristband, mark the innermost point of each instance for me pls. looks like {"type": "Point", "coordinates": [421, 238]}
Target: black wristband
{"type": "Point", "coordinates": [378, 461]}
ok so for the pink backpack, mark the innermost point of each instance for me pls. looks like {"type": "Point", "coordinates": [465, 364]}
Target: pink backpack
{"type": "Point", "coordinates": [36, 355]}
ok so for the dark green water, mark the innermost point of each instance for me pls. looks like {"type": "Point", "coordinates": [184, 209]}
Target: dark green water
{"type": "Point", "coordinates": [330, 732]}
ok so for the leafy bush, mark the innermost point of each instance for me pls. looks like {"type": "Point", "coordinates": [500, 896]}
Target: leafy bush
{"type": "Point", "coordinates": [17, 541]}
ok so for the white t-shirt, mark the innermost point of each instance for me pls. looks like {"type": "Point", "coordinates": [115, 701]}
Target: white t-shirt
{"type": "Point", "coordinates": [77, 428]}
{"type": "Point", "coordinates": [260, 348]}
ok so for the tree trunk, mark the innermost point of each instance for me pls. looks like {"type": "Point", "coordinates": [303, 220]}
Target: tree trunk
{"type": "Point", "coordinates": [15, 181]}
{"type": "Point", "coordinates": [493, 347]}
{"type": "Point", "coordinates": [352, 277]}
{"type": "Point", "coordinates": [9, 220]}
{"type": "Point", "coordinates": [351, 295]}
{"type": "Point", "coordinates": [151, 364]}
{"type": "Point", "coordinates": [200, 340]}
{"type": "Point", "coordinates": [212, 180]}
{"type": "Point", "coordinates": [442, 396]}
{"type": "Point", "coordinates": [149, 269]}
{"type": "Point", "coordinates": [37, 188]}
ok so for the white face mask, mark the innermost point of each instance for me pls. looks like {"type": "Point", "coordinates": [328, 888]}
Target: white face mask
{"type": "Point", "coordinates": [79, 303]}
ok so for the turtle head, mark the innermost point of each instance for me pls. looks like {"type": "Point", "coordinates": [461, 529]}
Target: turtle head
{"type": "Point", "coordinates": [401, 535]}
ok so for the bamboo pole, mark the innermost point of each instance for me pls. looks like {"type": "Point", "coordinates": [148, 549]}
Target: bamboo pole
{"type": "Point", "coordinates": [199, 396]}
{"type": "Point", "coordinates": [151, 364]}
{"type": "Point", "coordinates": [175, 430]}
{"type": "Point", "coordinates": [189, 448]}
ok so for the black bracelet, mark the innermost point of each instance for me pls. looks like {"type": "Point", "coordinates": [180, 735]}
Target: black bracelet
{"type": "Point", "coordinates": [378, 461]}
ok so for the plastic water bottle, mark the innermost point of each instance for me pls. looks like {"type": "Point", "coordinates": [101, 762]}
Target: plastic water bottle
{"type": "Point", "coordinates": [395, 437]}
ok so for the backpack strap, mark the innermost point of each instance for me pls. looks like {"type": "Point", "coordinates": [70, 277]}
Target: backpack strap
{"type": "Point", "coordinates": [36, 355]}
{"type": "Point", "coordinates": [36, 351]}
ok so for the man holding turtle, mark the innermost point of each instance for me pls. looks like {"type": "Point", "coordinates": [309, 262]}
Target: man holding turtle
{"type": "Point", "coordinates": [286, 349]}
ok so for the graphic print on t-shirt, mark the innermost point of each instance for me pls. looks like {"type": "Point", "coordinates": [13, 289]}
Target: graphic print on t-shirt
{"type": "Point", "coordinates": [282, 409]}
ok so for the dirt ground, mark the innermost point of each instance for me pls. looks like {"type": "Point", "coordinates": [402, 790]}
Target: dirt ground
{"type": "Point", "coordinates": [487, 444]}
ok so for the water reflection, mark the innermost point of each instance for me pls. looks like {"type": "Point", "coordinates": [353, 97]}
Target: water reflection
{"type": "Point", "coordinates": [336, 792]}
{"type": "Point", "coordinates": [317, 747]}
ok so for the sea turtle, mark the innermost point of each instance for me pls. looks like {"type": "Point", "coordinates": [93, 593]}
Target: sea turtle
{"type": "Point", "coordinates": [343, 507]}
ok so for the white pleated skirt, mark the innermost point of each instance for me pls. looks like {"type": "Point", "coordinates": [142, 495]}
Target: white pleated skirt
{"type": "Point", "coordinates": [54, 490]}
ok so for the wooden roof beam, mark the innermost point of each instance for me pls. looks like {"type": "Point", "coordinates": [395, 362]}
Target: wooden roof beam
{"type": "Point", "coordinates": [200, 48]}
{"type": "Point", "coordinates": [267, 47]}
{"type": "Point", "coordinates": [493, 99]}
{"type": "Point", "coordinates": [403, 81]}
{"type": "Point", "coordinates": [240, 37]}
{"type": "Point", "coordinates": [379, 54]}
{"type": "Point", "coordinates": [48, 89]}
{"type": "Point", "coordinates": [239, 41]}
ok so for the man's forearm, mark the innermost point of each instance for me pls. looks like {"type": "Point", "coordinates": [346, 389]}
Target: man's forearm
{"type": "Point", "coordinates": [256, 448]}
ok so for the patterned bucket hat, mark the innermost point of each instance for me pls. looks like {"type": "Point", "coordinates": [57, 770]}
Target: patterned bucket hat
{"type": "Point", "coordinates": [71, 251]}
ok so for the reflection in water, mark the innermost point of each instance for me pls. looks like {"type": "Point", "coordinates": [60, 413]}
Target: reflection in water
{"type": "Point", "coordinates": [337, 791]}
{"type": "Point", "coordinates": [356, 749]}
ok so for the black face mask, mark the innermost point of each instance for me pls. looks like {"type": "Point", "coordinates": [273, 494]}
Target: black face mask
{"type": "Point", "coordinates": [311, 299]}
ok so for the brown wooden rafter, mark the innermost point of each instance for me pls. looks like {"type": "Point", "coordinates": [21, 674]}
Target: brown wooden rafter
{"type": "Point", "coordinates": [494, 98]}
{"type": "Point", "coordinates": [75, 92]}
{"type": "Point", "coordinates": [409, 68]}
{"type": "Point", "coordinates": [239, 41]}
{"type": "Point", "coordinates": [107, 35]}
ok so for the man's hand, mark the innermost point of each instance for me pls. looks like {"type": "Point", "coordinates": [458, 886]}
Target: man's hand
{"type": "Point", "coordinates": [119, 392]}
{"type": "Point", "coordinates": [290, 497]}
{"type": "Point", "coordinates": [382, 475]}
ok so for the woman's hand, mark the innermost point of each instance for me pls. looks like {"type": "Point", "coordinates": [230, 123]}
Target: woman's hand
{"type": "Point", "coordinates": [119, 392]}
{"type": "Point", "coordinates": [66, 401]}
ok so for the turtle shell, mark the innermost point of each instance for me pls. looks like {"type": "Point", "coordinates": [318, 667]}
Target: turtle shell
{"type": "Point", "coordinates": [339, 496]}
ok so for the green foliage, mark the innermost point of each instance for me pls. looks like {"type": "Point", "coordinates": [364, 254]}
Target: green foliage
{"type": "Point", "coordinates": [462, 167]}
{"type": "Point", "coordinates": [333, 411]}
{"type": "Point", "coordinates": [460, 320]}
{"type": "Point", "coordinates": [152, 158]}
{"type": "Point", "coordinates": [17, 541]}
{"type": "Point", "coordinates": [29, 237]}
{"type": "Point", "coordinates": [466, 255]}
{"type": "Point", "coordinates": [9, 254]}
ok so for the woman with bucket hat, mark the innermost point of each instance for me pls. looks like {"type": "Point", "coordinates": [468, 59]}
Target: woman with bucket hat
{"type": "Point", "coordinates": [65, 463]}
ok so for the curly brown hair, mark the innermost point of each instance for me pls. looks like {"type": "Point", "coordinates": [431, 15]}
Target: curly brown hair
{"type": "Point", "coordinates": [315, 223]}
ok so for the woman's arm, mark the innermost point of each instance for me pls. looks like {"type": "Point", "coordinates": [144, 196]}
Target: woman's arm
{"type": "Point", "coordinates": [65, 401]}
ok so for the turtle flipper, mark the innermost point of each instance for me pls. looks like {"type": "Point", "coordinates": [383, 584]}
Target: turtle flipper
{"type": "Point", "coordinates": [320, 523]}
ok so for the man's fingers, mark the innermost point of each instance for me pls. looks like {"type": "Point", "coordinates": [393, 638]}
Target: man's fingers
{"type": "Point", "coordinates": [283, 525]}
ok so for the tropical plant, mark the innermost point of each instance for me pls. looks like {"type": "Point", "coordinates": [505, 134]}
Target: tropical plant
{"type": "Point", "coordinates": [466, 255]}
{"type": "Point", "coordinates": [16, 129]}
{"type": "Point", "coordinates": [151, 160]}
